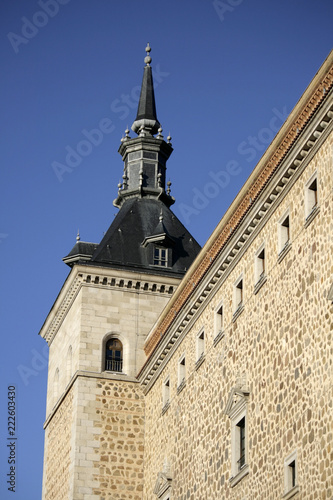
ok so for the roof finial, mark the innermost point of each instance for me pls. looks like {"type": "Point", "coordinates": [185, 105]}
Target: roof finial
{"type": "Point", "coordinates": [148, 58]}
{"type": "Point", "coordinates": [78, 236]}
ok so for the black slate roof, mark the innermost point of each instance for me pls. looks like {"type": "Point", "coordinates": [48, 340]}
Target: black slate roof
{"type": "Point", "coordinates": [122, 245]}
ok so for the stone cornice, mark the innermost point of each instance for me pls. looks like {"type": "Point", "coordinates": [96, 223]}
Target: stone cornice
{"type": "Point", "coordinates": [297, 141]}
{"type": "Point", "coordinates": [84, 374]}
{"type": "Point", "coordinates": [232, 252]}
{"type": "Point", "coordinates": [105, 278]}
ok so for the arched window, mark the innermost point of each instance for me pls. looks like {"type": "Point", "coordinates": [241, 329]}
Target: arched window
{"type": "Point", "coordinates": [114, 355]}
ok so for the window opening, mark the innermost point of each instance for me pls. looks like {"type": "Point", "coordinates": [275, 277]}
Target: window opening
{"type": "Point", "coordinates": [160, 256]}
{"type": "Point", "coordinates": [114, 355]}
{"type": "Point", "coordinates": [200, 345]}
{"type": "Point", "coordinates": [241, 427]}
{"type": "Point", "coordinates": [239, 294]}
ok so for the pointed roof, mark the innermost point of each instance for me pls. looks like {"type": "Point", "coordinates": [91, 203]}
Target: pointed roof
{"type": "Point", "coordinates": [144, 222]}
{"type": "Point", "coordinates": [126, 243]}
{"type": "Point", "coordinates": [146, 117]}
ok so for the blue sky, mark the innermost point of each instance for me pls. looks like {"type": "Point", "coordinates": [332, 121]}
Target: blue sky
{"type": "Point", "coordinates": [227, 73]}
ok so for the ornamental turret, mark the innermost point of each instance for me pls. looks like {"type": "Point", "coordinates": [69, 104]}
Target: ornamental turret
{"type": "Point", "coordinates": [145, 156]}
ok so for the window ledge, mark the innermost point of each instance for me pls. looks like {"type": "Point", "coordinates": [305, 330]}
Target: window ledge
{"type": "Point", "coordinates": [239, 476]}
{"type": "Point", "coordinates": [312, 215]}
{"type": "Point", "coordinates": [114, 372]}
{"type": "Point", "coordinates": [291, 493]}
{"type": "Point", "coordinates": [165, 407]}
{"type": "Point", "coordinates": [238, 311]}
{"type": "Point", "coordinates": [262, 280]}
{"type": "Point", "coordinates": [284, 251]}
{"type": "Point", "coordinates": [181, 386]}
{"type": "Point", "coordinates": [218, 337]}
{"type": "Point", "coordinates": [200, 360]}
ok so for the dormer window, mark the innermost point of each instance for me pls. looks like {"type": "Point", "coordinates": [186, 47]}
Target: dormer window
{"type": "Point", "coordinates": [160, 256]}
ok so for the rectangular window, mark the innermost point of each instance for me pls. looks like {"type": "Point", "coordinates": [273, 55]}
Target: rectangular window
{"type": "Point", "coordinates": [166, 394]}
{"type": "Point", "coordinates": [292, 473]}
{"type": "Point", "coordinates": [200, 347]}
{"type": "Point", "coordinates": [236, 409]}
{"type": "Point", "coordinates": [283, 233]}
{"type": "Point", "coordinates": [218, 324]}
{"type": "Point", "coordinates": [238, 296]}
{"type": "Point", "coordinates": [311, 196]}
{"type": "Point", "coordinates": [181, 373]}
{"type": "Point", "coordinates": [259, 265]}
{"type": "Point", "coordinates": [259, 269]}
{"type": "Point", "coordinates": [160, 256]}
{"type": "Point", "coordinates": [219, 320]}
{"type": "Point", "coordinates": [290, 476]}
{"type": "Point", "coordinates": [241, 443]}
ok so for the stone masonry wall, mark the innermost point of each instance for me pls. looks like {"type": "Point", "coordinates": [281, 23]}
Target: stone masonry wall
{"type": "Point", "coordinates": [121, 413]}
{"type": "Point", "coordinates": [58, 452]}
{"type": "Point", "coordinates": [280, 347]}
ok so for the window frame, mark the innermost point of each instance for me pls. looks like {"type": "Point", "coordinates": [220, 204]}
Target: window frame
{"type": "Point", "coordinates": [218, 322]}
{"type": "Point", "coordinates": [237, 410]}
{"type": "Point", "coordinates": [238, 296]}
{"type": "Point", "coordinates": [181, 374]}
{"type": "Point", "coordinates": [105, 351]}
{"type": "Point", "coordinates": [166, 394]}
{"type": "Point", "coordinates": [160, 261]}
{"type": "Point", "coordinates": [260, 265]}
{"type": "Point", "coordinates": [291, 486]}
{"type": "Point", "coordinates": [284, 234]}
{"type": "Point", "coordinates": [200, 347]}
{"type": "Point", "coordinates": [239, 470]}
{"type": "Point", "coordinates": [311, 198]}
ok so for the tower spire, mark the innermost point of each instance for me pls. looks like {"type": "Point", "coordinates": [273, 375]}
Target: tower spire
{"type": "Point", "coordinates": [145, 155]}
{"type": "Point", "coordinates": [146, 121]}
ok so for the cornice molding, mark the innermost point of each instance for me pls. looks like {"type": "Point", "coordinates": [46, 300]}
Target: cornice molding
{"type": "Point", "coordinates": [103, 279]}
{"type": "Point", "coordinates": [92, 375]}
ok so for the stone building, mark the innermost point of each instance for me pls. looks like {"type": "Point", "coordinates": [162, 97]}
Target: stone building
{"type": "Point", "coordinates": [176, 373]}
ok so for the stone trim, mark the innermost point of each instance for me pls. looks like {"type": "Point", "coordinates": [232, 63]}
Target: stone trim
{"type": "Point", "coordinates": [284, 251]}
{"type": "Point", "coordinates": [163, 484]}
{"type": "Point", "coordinates": [165, 407]}
{"type": "Point", "coordinates": [291, 493]}
{"type": "Point", "coordinates": [63, 309]}
{"type": "Point", "coordinates": [80, 373]}
{"type": "Point", "coordinates": [272, 194]}
{"type": "Point", "coordinates": [311, 216]}
{"type": "Point", "coordinates": [262, 280]}
{"type": "Point", "coordinates": [199, 362]}
{"type": "Point", "coordinates": [218, 337]}
{"type": "Point", "coordinates": [292, 135]}
{"type": "Point", "coordinates": [238, 312]}
{"type": "Point", "coordinates": [181, 386]}
{"type": "Point", "coordinates": [136, 283]}
{"type": "Point", "coordinates": [242, 473]}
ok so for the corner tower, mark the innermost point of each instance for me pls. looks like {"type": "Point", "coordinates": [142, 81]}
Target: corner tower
{"type": "Point", "coordinates": [98, 324]}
